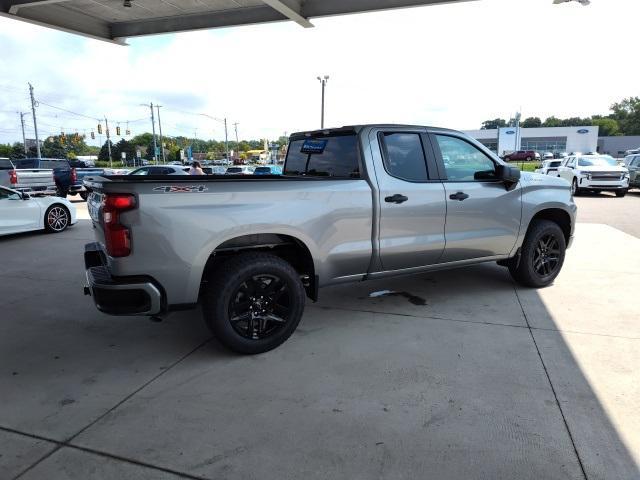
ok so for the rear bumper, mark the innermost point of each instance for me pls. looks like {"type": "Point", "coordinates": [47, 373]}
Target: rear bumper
{"type": "Point", "coordinates": [139, 295]}
{"type": "Point", "coordinates": [36, 188]}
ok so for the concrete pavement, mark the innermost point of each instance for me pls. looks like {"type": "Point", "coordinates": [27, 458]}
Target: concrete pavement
{"type": "Point", "coordinates": [455, 374]}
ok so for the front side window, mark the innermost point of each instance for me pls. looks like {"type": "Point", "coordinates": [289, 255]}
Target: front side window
{"type": "Point", "coordinates": [463, 161]}
{"type": "Point", "coordinates": [142, 171]}
{"type": "Point", "coordinates": [404, 156]}
{"type": "Point", "coordinates": [330, 156]}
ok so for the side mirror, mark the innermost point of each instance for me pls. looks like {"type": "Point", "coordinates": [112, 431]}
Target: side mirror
{"type": "Point", "coordinates": [25, 196]}
{"type": "Point", "coordinates": [508, 174]}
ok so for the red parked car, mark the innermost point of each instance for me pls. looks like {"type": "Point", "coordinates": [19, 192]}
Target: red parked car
{"type": "Point", "coordinates": [521, 155]}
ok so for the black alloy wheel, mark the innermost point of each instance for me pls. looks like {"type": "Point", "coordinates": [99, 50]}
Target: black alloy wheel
{"type": "Point", "coordinates": [546, 257]}
{"type": "Point", "coordinates": [253, 302]}
{"type": "Point", "coordinates": [541, 255]}
{"type": "Point", "coordinates": [260, 307]}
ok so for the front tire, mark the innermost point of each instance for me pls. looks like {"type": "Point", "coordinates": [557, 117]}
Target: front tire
{"type": "Point", "coordinates": [56, 219]}
{"type": "Point", "coordinates": [253, 302]}
{"type": "Point", "coordinates": [84, 196]}
{"type": "Point", "coordinates": [575, 191]}
{"type": "Point", "coordinates": [621, 193]}
{"type": "Point", "coordinates": [542, 255]}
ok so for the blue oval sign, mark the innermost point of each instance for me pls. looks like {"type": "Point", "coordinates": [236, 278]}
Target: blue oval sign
{"type": "Point", "coordinates": [583, 131]}
{"type": "Point", "coordinates": [510, 132]}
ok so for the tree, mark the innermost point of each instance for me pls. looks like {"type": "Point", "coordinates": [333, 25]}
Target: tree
{"type": "Point", "coordinates": [608, 126]}
{"type": "Point", "coordinates": [627, 114]}
{"type": "Point", "coordinates": [552, 122]}
{"type": "Point", "coordinates": [5, 150]}
{"type": "Point", "coordinates": [123, 146]}
{"type": "Point", "coordinates": [493, 124]}
{"type": "Point", "coordinates": [103, 156]}
{"type": "Point", "coordinates": [531, 122]}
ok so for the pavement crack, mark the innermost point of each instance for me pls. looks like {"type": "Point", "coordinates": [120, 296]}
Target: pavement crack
{"type": "Point", "coordinates": [67, 442]}
{"type": "Point", "coordinates": [553, 390]}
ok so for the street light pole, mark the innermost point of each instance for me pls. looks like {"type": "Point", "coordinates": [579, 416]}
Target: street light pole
{"type": "Point", "coordinates": [106, 123]}
{"type": "Point", "coordinates": [235, 126]}
{"type": "Point", "coordinates": [323, 81]}
{"type": "Point", "coordinates": [153, 129]}
{"type": "Point", "coordinates": [226, 140]}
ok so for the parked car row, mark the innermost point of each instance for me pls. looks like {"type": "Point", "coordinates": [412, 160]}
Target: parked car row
{"type": "Point", "coordinates": [178, 169]}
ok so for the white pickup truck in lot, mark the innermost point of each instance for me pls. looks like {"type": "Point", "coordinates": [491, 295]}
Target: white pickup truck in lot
{"type": "Point", "coordinates": [353, 203]}
{"type": "Point", "coordinates": [596, 173]}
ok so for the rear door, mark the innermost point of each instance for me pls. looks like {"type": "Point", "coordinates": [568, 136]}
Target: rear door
{"type": "Point", "coordinates": [411, 199]}
{"type": "Point", "coordinates": [483, 216]}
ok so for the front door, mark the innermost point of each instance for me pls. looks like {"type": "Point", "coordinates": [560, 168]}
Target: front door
{"type": "Point", "coordinates": [483, 216]}
{"type": "Point", "coordinates": [411, 199]}
{"type": "Point", "coordinates": [16, 214]}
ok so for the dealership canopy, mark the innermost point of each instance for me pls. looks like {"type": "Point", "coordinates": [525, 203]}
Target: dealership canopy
{"type": "Point", "coordinates": [115, 20]}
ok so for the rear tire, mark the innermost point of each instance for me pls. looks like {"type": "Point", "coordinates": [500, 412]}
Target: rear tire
{"type": "Point", "coordinates": [62, 193]}
{"type": "Point", "coordinates": [57, 218]}
{"type": "Point", "coordinates": [621, 193]}
{"type": "Point", "coordinates": [253, 302]}
{"type": "Point", "coordinates": [542, 255]}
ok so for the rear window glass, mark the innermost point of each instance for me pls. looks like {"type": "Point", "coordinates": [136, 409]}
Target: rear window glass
{"type": "Point", "coordinates": [5, 164]}
{"type": "Point", "coordinates": [25, 163]}
{"type": "Point", "coordinates": [335, 156]}
{"type": "Point", "coordinates": [234, 170]}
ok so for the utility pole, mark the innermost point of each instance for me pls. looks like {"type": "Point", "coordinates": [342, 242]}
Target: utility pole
{"type": "Point", "coordinates": [160, 128]}
{"type": "Point", "coordinates": [153, 128]}
{"type": "Point", "coordinates": [323, 81]}
{"type": "Point", "coordinates": [35, 124]}
{"type": "Point", "coordinates": [24, 138]}
{"type": "Point", "coordinates": [235, 126]}
{"type": "Point", "coordinates": [106, 123]}
{"type": "Point", "coordinates": [226, 139]}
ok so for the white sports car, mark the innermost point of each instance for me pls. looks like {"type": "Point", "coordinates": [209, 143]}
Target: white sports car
{"type": "Point", "coordinates": [20, 212]}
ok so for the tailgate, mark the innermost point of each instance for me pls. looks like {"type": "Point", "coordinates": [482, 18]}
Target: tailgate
{"type": "Point", "coordinates": [31, 177]}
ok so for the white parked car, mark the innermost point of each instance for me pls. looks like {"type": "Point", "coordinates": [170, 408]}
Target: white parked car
{"type": "Point", "coordinates": [241, 170]}
{"type": "Point", "coordinates": [20, 212]}
{"type": "Point", "coordinates": [547, 156]}
{"type": "Point", "coordinates": [161, 170]}
{"type": "Point", "coordinates": [549, 167]}
{"type": "Point", "coordinates": [598, 173]}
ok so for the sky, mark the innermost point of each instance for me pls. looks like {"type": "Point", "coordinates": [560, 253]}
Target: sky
{"type": "Point", "coordinates": [451, 65]}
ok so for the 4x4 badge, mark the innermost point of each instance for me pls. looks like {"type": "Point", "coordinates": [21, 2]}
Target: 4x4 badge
{"type": "Point", "coordinates": [181, 189]}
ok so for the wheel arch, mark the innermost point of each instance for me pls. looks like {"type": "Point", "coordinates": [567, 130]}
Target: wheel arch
{"type": "Point", "coordinates": [289, 248]}
{"type": "Point", "coordinates": [558, 216]}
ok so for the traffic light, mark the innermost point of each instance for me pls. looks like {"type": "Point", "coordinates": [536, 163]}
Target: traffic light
{"type": "Point", "coordinates": [63, 137]}
{"type": "Point", "coordinates": [99, 129]}
{"type": "Point", "coordinates": [118, 130]}
{"type": "Point", "coordinates": [93, 135]}
{"type": "Point", "coordinates": [127, 132]}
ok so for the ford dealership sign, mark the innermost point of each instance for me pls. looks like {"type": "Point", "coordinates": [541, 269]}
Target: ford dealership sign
{"type": "Point", "coordinates": [583, 131]}
{"type": "Point", "coordinates": [510, 132]}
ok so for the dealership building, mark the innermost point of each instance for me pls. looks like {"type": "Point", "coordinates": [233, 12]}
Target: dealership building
{"type": "Point", "coordinates": [544, 139]}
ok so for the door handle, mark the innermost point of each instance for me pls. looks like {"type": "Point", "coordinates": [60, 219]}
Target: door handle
{"type": "Point", "coordinates": [459, 196]}
{"type": "Point", "coordinates": [397, 198]}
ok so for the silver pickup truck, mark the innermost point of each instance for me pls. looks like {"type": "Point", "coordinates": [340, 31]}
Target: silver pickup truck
{"type": "Point", "coordinates": [354, 203]}
{"type": "Point", "coordinates": [35, 181]}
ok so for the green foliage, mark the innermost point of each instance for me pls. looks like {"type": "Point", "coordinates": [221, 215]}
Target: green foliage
{"type": "Point", "coordinates": [103, 155]}
{"type": "Point", "coordinates": [493, 124]}
{"type": "Point", "coordinates": [123, 146]}
{"type": "Point", "coordinates": [608, 126]}
{"type": "Point", "coordinates": [531, 122]}
{"type": "Point", "coordinates": [627, 114]}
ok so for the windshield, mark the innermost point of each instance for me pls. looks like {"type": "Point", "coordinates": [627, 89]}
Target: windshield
{"type": "Point", "coordinates": [555, 164]}
{"type": "Point", "coordinates": [263, 170]}
{"type": "Point", "coordinates": [597, 162]}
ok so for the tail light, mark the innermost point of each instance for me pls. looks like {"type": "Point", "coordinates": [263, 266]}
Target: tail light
{"type": "Point", "coordinates": [117, 236]}
{"type": "Point", "coordinates": [74, 175]}
{"type": "Point", "coordinates": [13, 177]}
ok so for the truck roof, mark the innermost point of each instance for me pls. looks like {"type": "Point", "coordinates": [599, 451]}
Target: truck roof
{"type": "Point", "coordinates": [346, 129]}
